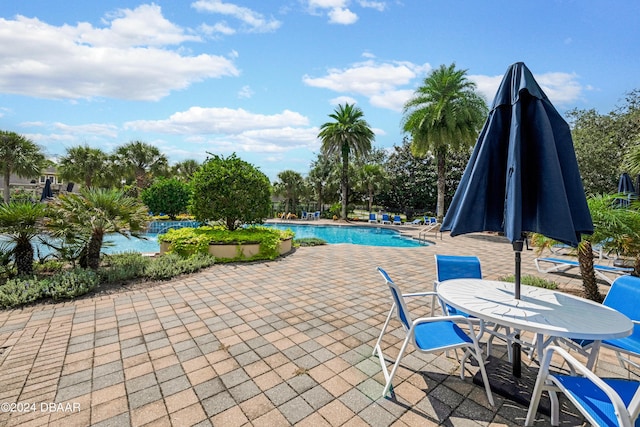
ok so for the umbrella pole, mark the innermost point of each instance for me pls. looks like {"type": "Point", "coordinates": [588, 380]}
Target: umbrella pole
{"type": "Point", "coordinates": [517, 350]}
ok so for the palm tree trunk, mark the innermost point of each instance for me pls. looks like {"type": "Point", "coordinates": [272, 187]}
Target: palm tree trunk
{"type": "Point", "coordinates": [7, 182]}
{"type": "Point", "coordinates": [24, 258]}
{"type": "Point", "coordinates": [585, 257]}
{"type": "Point", "coordinates": [345, 184]}
{"type": "Point", "coordinates": [442, 173]}
{"type": "Point", "coordinates": [370, 198]}
{"type": "Point", "coordinates": [93, 251]}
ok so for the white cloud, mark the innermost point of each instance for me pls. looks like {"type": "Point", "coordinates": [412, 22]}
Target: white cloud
{"type": "Point", "coordinates": [253, 21]}
{"type": "Point", "coordinates": [96, 129]}
{"type": "Point", "coordinates": [381, 82]}
{"type": "Point", "coordinates": [337, 11]}
{"type": "Point", "coordinates": [342, 16]}
{"type": "Point", "coordinates": [245, 92]}
{"type": "Point", "coordinates": [127, 59]}
{"type": "Point", "coordinates": [199, 120]}
{"type": "Point", "coordinates": [380, 6]}
{"type": "Point", "coordinates": [218, 28]}
{"type": "Point", "coordinates": [341, 100]}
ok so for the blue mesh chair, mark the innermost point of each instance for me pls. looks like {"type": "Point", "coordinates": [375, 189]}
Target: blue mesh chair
{"type": "Point", "coordinates": [602, 401]}
{"type": "Point", "coordinates": [428, 335]}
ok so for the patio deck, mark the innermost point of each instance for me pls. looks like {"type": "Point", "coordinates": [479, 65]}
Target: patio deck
{"type": "Point", "coordinates": [263, 344]}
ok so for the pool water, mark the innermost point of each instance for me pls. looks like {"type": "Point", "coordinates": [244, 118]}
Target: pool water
{"type": "Point", "coordinates": [367, 236]}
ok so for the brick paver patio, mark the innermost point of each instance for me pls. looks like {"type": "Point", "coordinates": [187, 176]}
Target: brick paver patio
{"type": "Point", "coordinates": [265, 344]}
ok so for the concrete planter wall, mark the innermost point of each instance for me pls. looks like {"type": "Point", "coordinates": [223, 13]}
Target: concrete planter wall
{"type": "Point", "coordinates": [230, 251]}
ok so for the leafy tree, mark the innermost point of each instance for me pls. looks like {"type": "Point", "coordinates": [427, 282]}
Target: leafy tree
{"type": "Point", "coordinates": [83, 164]}
{"type": "Point", "coordinates": [20, 224]}
{"type": "Point", "coordinates": [20, 156]}
{"type": "Point", "coordinates": [87, 216]}
{"type": "Point", "coordinates": [349, 133]}
{"type": "Point", "coordinates": [445, 114]}
{"type": "Point", "coordinates": [169, 196]}
{"type": "Point", "coordinates": [319, 177]}
{"type": "Point", "coordinates": [290, 185]}
{"type": "Point", "coordinates": [185, 169]}
{"type": "Point", "coordinates": [371, 179]}
{"type": "Point", "coordinates": [231, 190]}
{"type": "Point", "coordinates": [142, 161]}
{"type": "Point", "coordinates": [605, 143]}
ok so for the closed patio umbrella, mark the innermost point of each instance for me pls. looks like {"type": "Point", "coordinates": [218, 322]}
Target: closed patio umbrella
{"type": "Point", "coordinates": [47, 192]}
{"type": "Point", "coordinates": [625, 184]}
{"type": "Point", "coordinates": [522, 175]}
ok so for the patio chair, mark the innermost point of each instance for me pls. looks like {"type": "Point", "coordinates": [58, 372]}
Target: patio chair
{"type": "Point", "coordinates": [561, 265]}
{"type": "Point", "coordinates": [602, 401]}
{"type": "Point", "coordinates": [623, 297]}
{"type": "Point", "coordinates": [373, 218]}
{"type": "Point", "coordinates": [416, 221]}
{"type": "Point", "coordinates": [428, 335]}
{"type": "Point", "coordinates": [316, 215]}
{"type": "Point", "coordinates": [397, 220]}
{"type": "Point", "coordinates": [305, 215]}
{"type": "Point", "coordinates": [385, 219]}
{"type": "Point", "coordinates": [468, 267]}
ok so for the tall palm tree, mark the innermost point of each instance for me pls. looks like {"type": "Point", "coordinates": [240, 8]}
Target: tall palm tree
{"type": "Point", "coordinates": [91, 214]}
{"type": "Point", "coordinates": [185, 169]}
{"type": "Point", "coordinates": [140, 160]}
{"type": "Point", "coordinates": [290, 185]}
{"type": "Point", "coordinates": [82, 163]}
{"type": "Point", "coordinates": [20, 223]}
{"type": "Point", "coordinates": [19, 156]}
{"type": "Point", "coordinates": [444, 114]}
{"type": "Point", "coordinates": [349, 133]}
{"type": "Point", "coordinates": [372, 179]}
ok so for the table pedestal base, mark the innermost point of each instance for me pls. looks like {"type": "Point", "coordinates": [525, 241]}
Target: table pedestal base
{"type": "Point", "coordinates": [519, 390]}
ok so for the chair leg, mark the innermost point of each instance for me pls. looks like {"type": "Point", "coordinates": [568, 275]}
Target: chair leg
{"type": "Point", "coordinates": [387, 387]}
{"type": "Point", "coordinates": [483, 372]}
{"type": "Point", "coordinates": [384, 328]}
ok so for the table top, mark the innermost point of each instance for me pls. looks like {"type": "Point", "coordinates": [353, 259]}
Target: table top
{"type": "Point", "coordinates": [538, 310]}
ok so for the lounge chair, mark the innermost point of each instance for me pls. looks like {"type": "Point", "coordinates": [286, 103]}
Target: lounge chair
{"type": "Point", "coordinates": [305, 215]}
{"type": "Point", "coordinates": [623, 297]}
{"type": "Point", "coordinates": [397, 220]}
{"type": "Point", "coordinates": [316, 215]}
{"type": "Point", "coordinates": [373, 218]}
{"type": "Point", "coordinates": [602, 401]}
{"type": "Point", "coordinates": [416, 221]}
{"type": "Point", "coordinates": [560, 265]}
{"type": "Point", "coordinates": [428, 335]}
{"type": "Point", "coordinates": [385, 219]}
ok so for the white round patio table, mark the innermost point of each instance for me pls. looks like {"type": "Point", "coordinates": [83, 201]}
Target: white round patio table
{"type": "Point", "coordinates": [539, 310]}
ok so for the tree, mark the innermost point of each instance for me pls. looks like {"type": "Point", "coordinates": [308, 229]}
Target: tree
{"type": "Point", "coordinates": [371, 179]}
{"type": "Point", "coordinates": [19, 156]}
{"type": "Point", "coordinates": [20, 224]}
{"type": "Point", "coordinates": [87, 216]}
{"type": "Point", "coordinates": [169, 196]}
{"type": "Point", "coordinates": [231, 190]}
{"type": "Point", "coordinates": [185, 169]}
{"type": "Point", "coordinates": [291, 185]}
{"type": "Point", "coordinates": [83, 164]}
{"type": "Point", "coordinates": [349, 133]}
{"type": "Point", "coordinates": [445, 114]}
{"type": "Point", "coordinates": [320, 177]}
{"type": "Point", "coordinates": [142, 161]}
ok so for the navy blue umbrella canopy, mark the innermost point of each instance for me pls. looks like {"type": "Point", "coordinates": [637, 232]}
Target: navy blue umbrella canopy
{"type": "Point", "coordinates": [625, 184]}
{"type": "Point", "coordinates": [47, 193]}
{"type": "Point", "coordinates": [522, 175]}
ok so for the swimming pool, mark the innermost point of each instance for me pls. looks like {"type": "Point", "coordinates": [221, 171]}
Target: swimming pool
{"type": "Point", "coordinates": [356, 235]}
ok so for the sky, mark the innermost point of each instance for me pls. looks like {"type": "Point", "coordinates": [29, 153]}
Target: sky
{"type": "Point", "coordinates": [259, 77]}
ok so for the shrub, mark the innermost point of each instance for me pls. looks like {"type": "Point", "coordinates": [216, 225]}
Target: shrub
{"type": "Point", "coordinates": [124, 266]}
{"type": "Point", "coordinates": [309, 241]}
{"type": "Point", "coordinates": [532, 281]}
{"type": "Point", "coordinates": [72, 283]}
{"type": "Point", "coordinates": [230, 190]}
{"type": "Point", "coordinates": [169, 196]}
{"type": "Point", "coordinates": [170, 265]}
{"type": "Point", "coordinates": [21, 291]}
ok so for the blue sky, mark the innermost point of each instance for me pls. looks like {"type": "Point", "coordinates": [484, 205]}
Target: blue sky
{"type": "Point", "coordinates": [260, 77]}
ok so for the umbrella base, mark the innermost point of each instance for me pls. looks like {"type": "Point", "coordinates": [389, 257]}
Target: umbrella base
{"type": "Point", "coordinates": [519, 390]}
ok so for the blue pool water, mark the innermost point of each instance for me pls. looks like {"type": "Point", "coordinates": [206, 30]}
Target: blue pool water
{"type": "Point", "coordinates": [367, 236]}
{"type": "Point", "coordinates": [112, 243]}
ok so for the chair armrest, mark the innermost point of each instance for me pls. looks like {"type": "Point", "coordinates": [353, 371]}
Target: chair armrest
{"type": "Point", "coordinates": [420, 294]}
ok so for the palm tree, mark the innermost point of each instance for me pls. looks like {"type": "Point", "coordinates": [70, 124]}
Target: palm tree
{"type": "Point", "coordinates": [290, 186]}
{"type": "Point", "coordinates": [372, 179]}
{"type": "Point", "coordinates": [444, 114]}
{"type": "Point", "coordinates": [82, 163]}
{"type": "Point", "coordinates": [91, 214]}
{"type": "Point", "coordinates": [140, 160]}
{"type": "Point", "coordinates": [20, 223]}
{"type": "Point", "coordinates": [19, 156]}
{"type": "Point", "coordinates": [349, 133]}
{"type": "Point", "coordinates": [319, 177]}
{"type": "Point", "coordinates": [185, 169]}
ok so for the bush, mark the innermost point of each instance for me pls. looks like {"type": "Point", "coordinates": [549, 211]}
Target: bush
{"type": "Point", "coordinates": [532, 281]}
{"type": "Point", "coordinates": [72, 283]}
{"type": "Point", "coordinates": [21, 291]}
{"type": "Point", "coordinates": [124, 266]}
{"type": "Point", "coordinates": [230, 190]}
{"type": "Point", "coordinates": [170, 265]}
{"type": "Point", "coordinates": [168, 196]}
{"type": "Point", "coordinates": [309, 241]}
